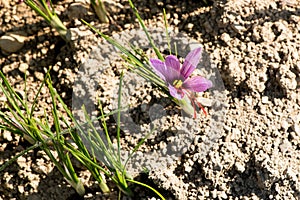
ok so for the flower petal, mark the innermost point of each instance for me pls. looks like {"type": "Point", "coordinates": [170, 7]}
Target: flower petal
{"type": "Point", "coordinates": [172, 75]}
{"type": "Point", "coordinates": [197, 84]}
{"type": "Point", "coordinates": [172, 62]}
{"type": "Point", "coordinates": [177, 93]}
{"type": "Point", "coordinates": [191, 61]}
{"type": "Point", "coordinates": [168, 74]}
{"type": "Point", "coordinates": [159, 68]}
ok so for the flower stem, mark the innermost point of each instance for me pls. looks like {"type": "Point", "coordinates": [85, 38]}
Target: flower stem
{"type": "Point", "coordinates": [100, 10]}
{"type": "Point", "coordinates": [60, 28]}
{"type": "Point", "coordinates": [185, 104]}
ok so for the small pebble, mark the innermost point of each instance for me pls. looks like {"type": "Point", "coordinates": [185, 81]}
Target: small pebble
{"type": "Point", "coordinates": [264, 99]}
{"type": "Point", "coordinates": [12, 42]}
{"type": "Point", "coordinates": [23, 67]}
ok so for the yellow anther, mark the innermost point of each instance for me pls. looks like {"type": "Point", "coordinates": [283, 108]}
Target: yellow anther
{"type": "Point", "coordinates": [177, 83]}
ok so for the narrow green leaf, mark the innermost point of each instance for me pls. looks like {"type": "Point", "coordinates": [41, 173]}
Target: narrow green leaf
{"type": "Point", "coordinates": [147, 186]}
{"type": "Point", "coordinates": [158, 54]}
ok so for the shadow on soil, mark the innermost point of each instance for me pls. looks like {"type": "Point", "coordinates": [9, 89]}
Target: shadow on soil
{"type": "Point", "coordinates": [255, 179]}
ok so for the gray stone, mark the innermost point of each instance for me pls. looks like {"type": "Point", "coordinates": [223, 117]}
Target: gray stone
{"type": "Point", "coordinates": [12, 42]}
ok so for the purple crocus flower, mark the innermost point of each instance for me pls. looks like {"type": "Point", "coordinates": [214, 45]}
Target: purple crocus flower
{"type": "Point", "coordinates": [178, 78]}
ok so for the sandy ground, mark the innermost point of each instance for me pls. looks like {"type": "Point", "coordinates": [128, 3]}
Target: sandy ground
{"type": "Point", "coordinates": [247, 148]}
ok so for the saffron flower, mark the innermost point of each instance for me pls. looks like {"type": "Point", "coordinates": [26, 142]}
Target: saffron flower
{"type": "Point", "coordinates": [177, 77]}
